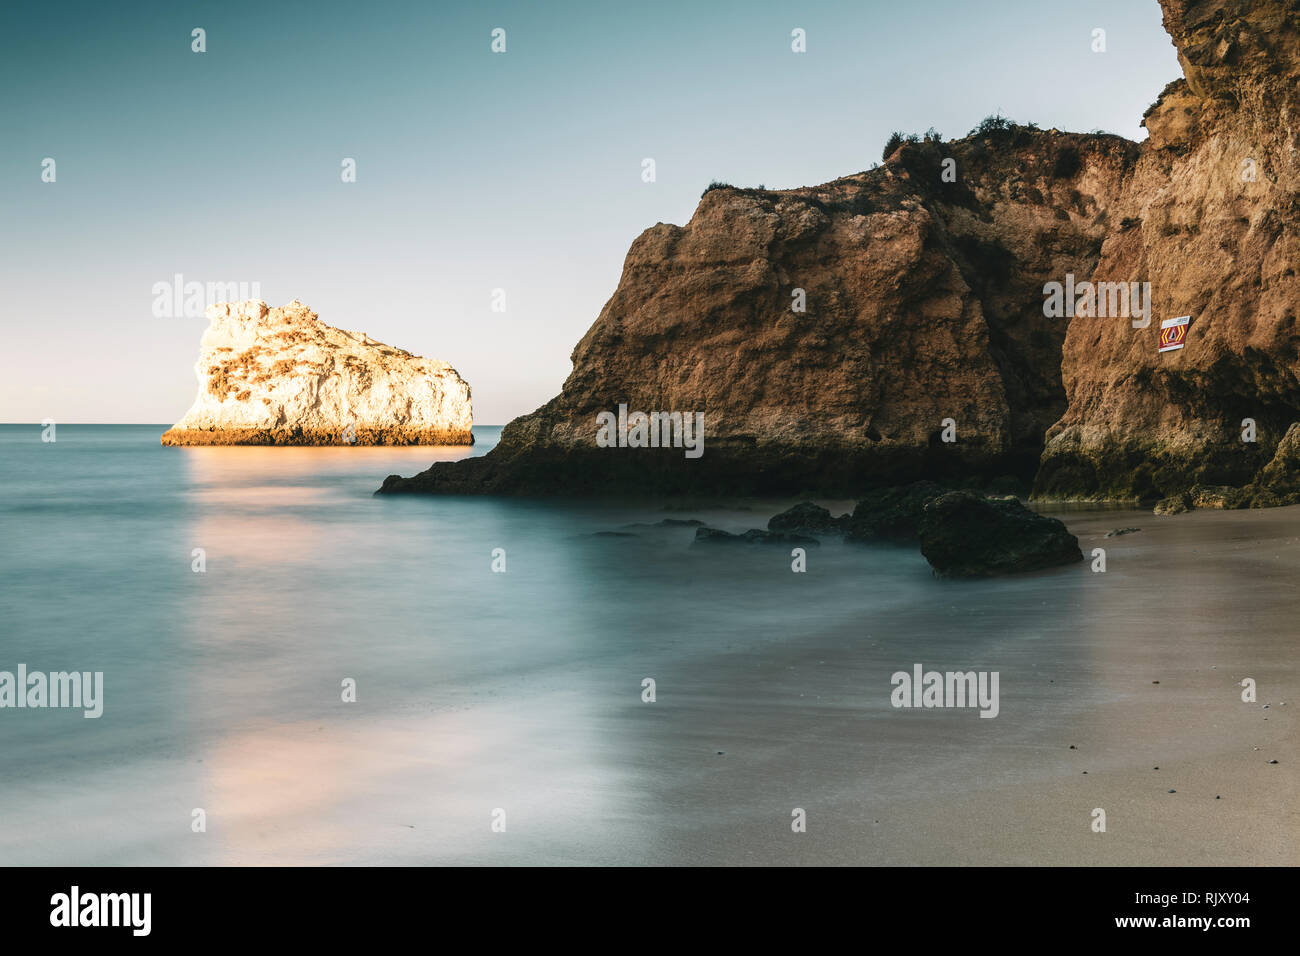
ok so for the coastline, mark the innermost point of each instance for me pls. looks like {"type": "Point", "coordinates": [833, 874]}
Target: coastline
{"type": "Point", "coordinates": [317, 436]}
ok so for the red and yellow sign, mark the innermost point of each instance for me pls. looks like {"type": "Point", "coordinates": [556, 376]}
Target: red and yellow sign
{"type": "Point", "coordinates": [1173, 333]}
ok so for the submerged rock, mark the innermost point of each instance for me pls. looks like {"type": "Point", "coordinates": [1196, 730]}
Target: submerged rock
{"type": "Point", "coordinates": [753, 536]}
{"type": "Point", "coordinates": [807, 518]}
{"type": "Point", "coordinates": [893, 514]}
{"type": "Point", "coordinates": [966, 535]}
{"type": "Point", "coordinates": [282, 377]}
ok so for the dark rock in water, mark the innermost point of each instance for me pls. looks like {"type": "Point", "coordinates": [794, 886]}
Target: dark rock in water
{"type": "Point", "coordinates": [665, 523]}
{"type": "Point", "coordinates": [893, 514]}
{"type": "Point", "coordinates": [965, 535]}
{"type": "Point", "coordinates": [612, 534]}
{"type": "Point", "coordinates": [808, 518]}
{"type": "Point", "coordinates": [760, 536]}
{"type": "Point", "coordinates": [753, 536]}
{"type": "Point", "coordinates": [1119, 531]}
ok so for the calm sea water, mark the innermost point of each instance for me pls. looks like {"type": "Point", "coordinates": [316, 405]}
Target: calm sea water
{"type": "Point", "coordinates": [483, 695]}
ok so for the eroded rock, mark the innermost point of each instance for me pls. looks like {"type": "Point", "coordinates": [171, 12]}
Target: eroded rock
{"type": "Point", "coordinates": [280, 376]}
{"type": "Point", "coordinates": [923, 303]}
{"type": "Point", "coordinates": [807, 518]}
{"type": "Point", "coordinates": [1214, 210]}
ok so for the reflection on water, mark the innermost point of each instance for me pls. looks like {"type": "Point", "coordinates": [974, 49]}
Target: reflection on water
{"type": "Point", "coordinates": [478, 691]}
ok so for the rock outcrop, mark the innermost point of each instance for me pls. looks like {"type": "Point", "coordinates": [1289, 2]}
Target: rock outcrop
{"type": "Point", "coordinates": [962, 534]}
{"type": "Point", "coordinates": [808, 518]}
{"type": "Point", "coordinates": [892, 514]}
{"type": "Point", "coordinates": [965, 535]}
{"type": "Point", "coordinates": [924, 351]}
{"type": "Point", "coordinates": [1212, 214]}
{"type": "Point", "coordinates": [282, 377]}
{"type": "Point", "coordinates": [923, 310]}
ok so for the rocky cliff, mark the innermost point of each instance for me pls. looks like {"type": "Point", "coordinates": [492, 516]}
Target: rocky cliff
{"type": "Point", "coordinates": [282, 377]}
{"type": "Point", "coordinates": [923, 349]}
{"type": "Point", "coordinates": [1213, 223]}
{"type": "Point", "coordinates": [921, 303]}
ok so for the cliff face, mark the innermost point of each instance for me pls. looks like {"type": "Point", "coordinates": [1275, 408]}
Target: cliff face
{"type": "Point", "coordinates": [922, 301]}
{"type": "Point", "coordinates": [925, 309]}
{"type": "Point", "coordinates": [282, 377]}
{"type": "Point", "coordinates": [1214, 205]}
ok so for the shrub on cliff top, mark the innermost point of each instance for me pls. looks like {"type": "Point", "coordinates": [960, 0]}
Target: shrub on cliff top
{"type": "Point", "coordinates": [715, 185]}
{"type": "Point", "coordinates": [995, 123]}
{"type": "Point", "coordinates": [897, 139]}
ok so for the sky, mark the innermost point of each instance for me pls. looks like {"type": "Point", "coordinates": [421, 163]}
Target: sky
{"type": "Point", "coordinates": [475, 170]}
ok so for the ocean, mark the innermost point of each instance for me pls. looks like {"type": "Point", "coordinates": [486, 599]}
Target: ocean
{"type": "Point", "coordinates": [498, 652]}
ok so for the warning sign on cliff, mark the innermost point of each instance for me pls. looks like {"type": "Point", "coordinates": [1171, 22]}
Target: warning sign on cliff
{"type": "Point", "coordinates": [1173, 333]}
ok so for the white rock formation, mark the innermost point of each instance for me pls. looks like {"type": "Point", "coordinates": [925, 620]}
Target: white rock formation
{"type": "Point", "coordinates": [282, 377]}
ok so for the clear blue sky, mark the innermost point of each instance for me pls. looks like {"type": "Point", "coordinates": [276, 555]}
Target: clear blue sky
{"type": "Point", "coordinates": [474, 170]}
